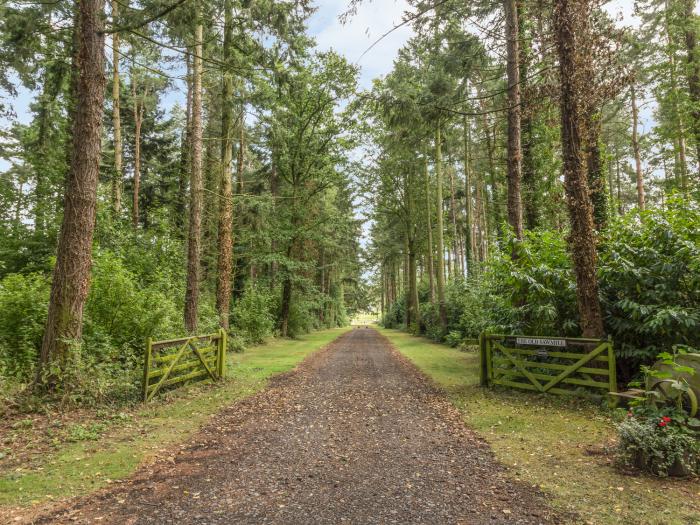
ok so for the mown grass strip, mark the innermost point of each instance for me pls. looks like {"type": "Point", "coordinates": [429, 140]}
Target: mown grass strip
{"type": "Point", "coordinates": [84, 466]}
{"type": "Point", "coordinates": [553, 442]}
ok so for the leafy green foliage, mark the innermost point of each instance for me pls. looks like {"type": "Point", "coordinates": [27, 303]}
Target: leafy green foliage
{"type": "Point", "coordinates": [253, 316]}
{"type": "Point", "coordinates": [650, 280]}
{"type": "Point", "coordinates": [649, 272]}
{"type": "Point", "coordinates": [23, 300]}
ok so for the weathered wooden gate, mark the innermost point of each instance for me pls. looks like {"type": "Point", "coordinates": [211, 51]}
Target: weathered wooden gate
{"type": "Point", "coordinates": [558, 365]}
{"type": "Point", "coordinates": [178, 360]}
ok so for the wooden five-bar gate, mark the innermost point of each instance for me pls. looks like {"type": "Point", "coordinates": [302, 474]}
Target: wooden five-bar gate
{"type": "Point", "coordinates": [558, 365]}
{"type": "Point", "coordinates": [178, 360]}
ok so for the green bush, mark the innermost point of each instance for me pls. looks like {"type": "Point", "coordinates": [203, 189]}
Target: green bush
{"type": "Point", "coordinates": [538, 282]}
{"type": "Point", "coordinates": [120, 315]}
{"type": "Point", "coordinates": [252, 315]}
{"type": "Point", "coordinates": [23, 307]}
{"type": "Point", "coordinates": [650, 282]}
{"type": "Point", "coordinates": [395, 316]}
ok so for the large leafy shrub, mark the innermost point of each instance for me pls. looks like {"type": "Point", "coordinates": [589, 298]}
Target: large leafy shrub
{"type": "Point", "coordinates": [650, 281]}
{"type": "Point", "coordinates": [539, 283]}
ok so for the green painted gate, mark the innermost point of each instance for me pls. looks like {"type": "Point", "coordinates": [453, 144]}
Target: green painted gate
{"type": "Point", "coordinates": [175, 361]}
{"type": "Point", "coordinates": [557, 365]}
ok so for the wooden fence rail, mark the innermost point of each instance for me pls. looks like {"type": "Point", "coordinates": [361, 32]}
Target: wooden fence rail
{"type": "Point", "coordinates": [557, 365]}
{"type": "Point", "coordinates": [174, 361]}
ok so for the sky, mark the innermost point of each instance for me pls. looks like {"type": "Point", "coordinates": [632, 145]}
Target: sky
{"type": "Point", "coordinates": [373, 19]}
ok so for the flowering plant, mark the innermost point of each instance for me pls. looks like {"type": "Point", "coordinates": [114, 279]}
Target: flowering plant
{"type": "Point", "coordinates": [660, 441]}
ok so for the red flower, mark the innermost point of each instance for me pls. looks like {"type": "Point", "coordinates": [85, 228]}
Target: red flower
{"type": "Point", "coordinates": [666, 419]}
{"type": "Point", "coordinates": [630, 414]}
{"type": "Point", "coordinates": [662, 423]}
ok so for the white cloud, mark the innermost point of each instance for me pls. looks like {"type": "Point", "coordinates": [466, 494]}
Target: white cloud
{"type": "Point", "coordinates": [373, 19]}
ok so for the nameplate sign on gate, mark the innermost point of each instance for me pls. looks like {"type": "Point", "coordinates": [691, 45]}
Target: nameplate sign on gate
{"type": "Point", "coordinates": [540, 341]}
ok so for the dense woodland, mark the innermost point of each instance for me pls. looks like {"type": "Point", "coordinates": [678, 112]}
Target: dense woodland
{"type": "Point", "coordinates": [526, 167]}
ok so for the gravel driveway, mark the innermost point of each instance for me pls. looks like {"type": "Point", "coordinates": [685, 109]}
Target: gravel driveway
{"type": "Point", "coordinates": [355, 435]}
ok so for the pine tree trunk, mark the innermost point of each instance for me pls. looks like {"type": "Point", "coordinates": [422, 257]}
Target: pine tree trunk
{"type": "Point", "coordinates": [225, 227]}
{"type": "Point", "coordinates": [515, 213]}
{"type": "Point", "coordinates": [493, 205]}
{"type": "Point", "coordinates": [456, 257]}
{"type": "Point", "coordinates": [596, 179]}
{"type": "Point", "coordinates": [481, 218]}
{"type": "Point", "coordinates": [430, 253]}
{"type": "Point", "coordinates": [407, 283]}
{"type": "Point", "coordinates": [185, 155]}
{"type": "Point", "coordinates": [469, 237]}
{"type": "Point", "coordinates": [116, 117]}
{"type": "Point", "coordinates": [138, 121]}
{"type": "Point", "coordinates": [693, 68]}
{"type": "Point", "coordinates": [680, 160]}
{"type": "Point", "coordinates": [413, 284]}
{"type": "Point", "coordinates": [572, 30]}
{"type": "Point", "coordinates": [286, 303]}
{"type": "Point", "coordinates": [440, 230]}
{"type": "Point", "coordinates": [635, 149]}
{"type": "Point", "coordinates": [71, 275]}
{"type": "Point", "coordinates": [529, 184]}
{"type": "Point", "coordinates": [196, 187]}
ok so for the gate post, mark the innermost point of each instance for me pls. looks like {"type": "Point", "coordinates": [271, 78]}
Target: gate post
{"type": "Point", "coordinates": [483, 357]}
{"type": "Point", "coordinates": [221, 361]}
{"type": "Point", "coordinates": [147, 367]}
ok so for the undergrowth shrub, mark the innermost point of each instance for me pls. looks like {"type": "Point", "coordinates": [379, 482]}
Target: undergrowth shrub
{"type": "Point", "coordinates": [23, 307]}
{"type": "Point", "coordinates": [253, 318]}
{"type": "Point", "coordinates": [120, 314]}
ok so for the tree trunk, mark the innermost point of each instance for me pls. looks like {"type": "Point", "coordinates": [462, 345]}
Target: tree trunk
{"type": "Point", "coordinates": [635, 149]}
{"type": "Point", "coordinates": [596, 179]}
{"type": "Point", "coordinates": [469, 245]}
{"type": "Point", "coordinates": [456, 256]}
{"type": "Point", "coordinates": [572, 30]}
{"type": "Point", "coordinates": [185, 155]}
{"type": "Point", "coordinates": [693, 68]}
{"type": "Point", "coordinates": [515, 214]}
{"type": "Point", "coordinates": [410, 312]}
{"type": "Point", "coordinates": [196, 186]}
{"type": "Point", "coordinates": [430, 253]}
{"type": "Point", "coordinates": [138, 121]}
{"type": "Point", "coordinates": [286, 303]}
{"type": "Point", "coordinates": [413, 284]}
{"type": "Point", "coordinates": [71, 275]}
{"type": "Point", "coordinates": [493, 203]}
{"type": "Point", "coordinates": [440, 231]}
{"type": "Point", "coordinates": [530, 200]}
{"type": "Point", "coordinates": [482, 217]}
{"type": "Point", "coordinates": [680, 162]}
{"type": "Point", "coordinates": [225, 227]}
{"type": "Point", "coordinates": [116, 117]}
{"type": "Point", "coordinates": [382, 292]}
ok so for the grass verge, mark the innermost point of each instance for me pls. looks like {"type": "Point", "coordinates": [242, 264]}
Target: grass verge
{"type": "Point", "coordinates": [111, 446]}
{"type": "Point", "coordinates": [555, 443]}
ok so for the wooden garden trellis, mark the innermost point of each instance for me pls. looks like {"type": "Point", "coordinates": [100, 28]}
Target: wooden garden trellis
{"type": "Point", "coordinates": [557, 365]}
{"type": "Point", "coordinates": [175, 361]}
